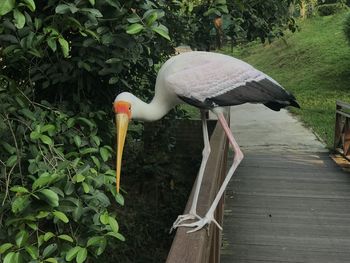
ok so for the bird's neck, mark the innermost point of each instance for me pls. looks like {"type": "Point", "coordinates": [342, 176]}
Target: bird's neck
{"type": "Point", "coordinates": [152, 111]}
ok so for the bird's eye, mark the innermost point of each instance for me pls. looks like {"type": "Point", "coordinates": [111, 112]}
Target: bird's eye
{"type": "Point", "coordinates": [129, 107]}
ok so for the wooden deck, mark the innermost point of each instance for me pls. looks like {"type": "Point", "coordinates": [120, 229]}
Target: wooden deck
{"type": "Point", "coordinates": [287, 208]}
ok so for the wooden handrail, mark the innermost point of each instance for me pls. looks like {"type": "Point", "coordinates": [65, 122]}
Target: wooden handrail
{"type": "Point", "coordinates": [342, 129]}
{"type": "Point", "coordinates": [204, 245]}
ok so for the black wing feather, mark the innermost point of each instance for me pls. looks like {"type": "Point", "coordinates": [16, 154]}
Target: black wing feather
{"type": "Point", "coordinates": [264, 91]}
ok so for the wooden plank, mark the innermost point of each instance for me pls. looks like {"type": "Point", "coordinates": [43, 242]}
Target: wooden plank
{"type": "Point", "coordinates": [342, 104]}
{"type": "Point", "coordinates": [195, 247]}
{"type": "Point", "coordinates": [287, 208]}
{"type": "Point", "coordinates": [343, 113]}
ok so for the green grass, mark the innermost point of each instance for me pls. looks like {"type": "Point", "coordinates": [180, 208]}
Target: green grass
{"type": "Point", "coordinates": [314, 64]}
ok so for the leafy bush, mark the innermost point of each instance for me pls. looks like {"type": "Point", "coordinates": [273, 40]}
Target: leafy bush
{"type": "Point", "coordinates": [347, 27]}
{"type": "Point", "coordinates": [82, 46]}
{"type": "Point", "coordinates": [330, 9]}
{"type": "Point", "coordinates": [56, 186]}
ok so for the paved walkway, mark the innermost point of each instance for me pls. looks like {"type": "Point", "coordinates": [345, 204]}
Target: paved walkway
{"type": "Point", "coordinates": [288, 202]}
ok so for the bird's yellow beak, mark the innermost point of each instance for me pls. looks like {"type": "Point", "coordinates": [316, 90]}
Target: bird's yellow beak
{"type": "Point", "coordinates": [122, 120]}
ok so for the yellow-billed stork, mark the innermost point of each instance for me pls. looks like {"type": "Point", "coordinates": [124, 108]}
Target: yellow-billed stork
{"type": "Point", "coordinates": [208, 81]}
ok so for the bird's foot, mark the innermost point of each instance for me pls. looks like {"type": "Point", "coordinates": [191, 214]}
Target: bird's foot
{"type": "Point", "coordinates": [181, 218]}
{"type": "Point", "coordinates": [201, 223]}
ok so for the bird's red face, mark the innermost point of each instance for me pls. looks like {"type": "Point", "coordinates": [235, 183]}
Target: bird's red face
{"type": "Point", "coordinates": [122, 110]}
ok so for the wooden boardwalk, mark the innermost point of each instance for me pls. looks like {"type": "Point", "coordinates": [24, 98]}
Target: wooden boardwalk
{"type": "Point", "coordinates": [287, 207]}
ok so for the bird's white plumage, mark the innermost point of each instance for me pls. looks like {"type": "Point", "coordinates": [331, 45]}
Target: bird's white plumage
{"type": "Point", "coordinates": [195, 77]}
{"type": "Point", "coordinates": [202, 75]}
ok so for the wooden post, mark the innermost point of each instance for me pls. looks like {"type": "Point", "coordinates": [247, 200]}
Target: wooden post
{"type": "Point", "coordinates": [204, 245]}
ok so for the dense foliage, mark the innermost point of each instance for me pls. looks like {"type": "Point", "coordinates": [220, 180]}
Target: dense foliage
{"type": "Point", "coordinates": [62, 63]}
{"type": "Point", "coordinates": [56, 186]}
{"type": "Point", "coordinates": [347, 27]}
{"type": "Point", "coordinates": [330, 7]}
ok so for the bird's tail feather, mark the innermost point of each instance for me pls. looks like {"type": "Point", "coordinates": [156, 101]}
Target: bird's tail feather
{"type": "Point", "coordinates": [276, 106]}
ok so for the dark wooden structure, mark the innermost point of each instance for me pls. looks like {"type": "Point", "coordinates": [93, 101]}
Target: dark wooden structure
{"type": "Point", "coordinates": [204, 245]}
{"type": "Point", "coordinates": [342, 129]}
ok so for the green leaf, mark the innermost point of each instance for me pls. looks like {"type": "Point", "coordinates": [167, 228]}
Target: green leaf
{"type": "Point", "coordinates": [27, 113]}
{"type": "Point", "coordinates": [40, 239]}
{"type": "Point", "coordinates": [119, 198]}
{"type": "Point", "coordinates": [162, 30]}
{"type": "Point", "coordinates": [88, 151]}
{"type": "Point", "coordinates": [113, 80]}
{"type": "Point", "coordinates": [134, 18]}
{"type": "Point", "coordinates": [77, 212]}
{"type": "Point", "coordinates": [86, 187]}
{"type": "Point", "coordinates": [150, 17]}
{"type": "Point", "coordinates": [72, 253]}
{"type": "Point", "coordinates": [48, 236]}
{"type": "Point", "coordinates": [21, 238]}
{"type": "Point", "coordinates": [49, 250]}
{"type": "Point", "coordinates": [37, 23]}
{"type": "Point", "coordinates": [113, 224]}
{"type": "Point", "coordinates": [51, 260]}
{"type": "Point", "coordinates": [70, 122]}
{"type": "Point", "coordinates": [94, 241]}
{"type": "Point", "coordinates": [20, 19]}
{"type": "Point", "coordinates": [48, 128]}
{"type": "Point", "coordinates": [134, 28]}
{"type": "Point", "coordinates": [113, 60]}
{"type": "Point", "coordinates": [50, 197]}
{"type": "Point", "coordinates": [34, 135]}
{"type": "Point", "coordinates": [5, 247]}
{"type": "Point", "coordinates": [10, 257]}
{"type": "Point", "coordinates": [35, 52]}
{"type": "Point", "coordinates": [104, 154]}
{"type": "Point", "coordinates": [11, 161]}
{"type": "Point", "coordinates": [61, 216]}
{"type": "Point", "coordinates": [51, 42]}
{"type": "Point", "coordinates": [104, 218]}
{"type": "Point", "coordinates": [33, 226]}
{"type": "Point", "coordinates": [32, 251]}
{"type": "Point", "coordinates": [87, 122]}
{"type": "Point", "coordinates": [92, 2]}
{"type": "Point", "coordinates": [92, 11]}
{"type": "Point", "coordinates": [69, 188]}
{"type": "Point", "coordinates": [96, 161]}
{"type": "Point", "coordinates": [96, 140]}
{"type": "Point", "coordinates": [20, 203]}
{"type": "Point", "coordinates": [30, 4]}
{"type": "Point", "coordinates": [77, 140]}
{"type": "Point", "coordinates": [19, 189]}
{"type": "Point", "coordinates": [64, 46]}
{"type": "Point", "coordinates": [79, 178]}
{"type": "Point", "coordinates": [66, 8]}
{"type": "Point", "coordinates": [42, 214]}
{"type": "Point", "coordinates": [116, 235]}
{"type": "Point", "coordinates": [65, 237]}
{"type": "Point", "coordinates": [82, 255]}
{"type": "Point", "coordinates": [10, 149]}
{"type": "Point", "coordinates": [44, 179]}
{"type": "Point", "coordinates": [6, 6]}
{"type": "Point", "coordinates": [46, 139]}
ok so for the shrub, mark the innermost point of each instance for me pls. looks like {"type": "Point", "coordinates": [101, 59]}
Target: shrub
{"type": "Point", "coordinates": [347, 27]}
{"type": "Point", "coordinates": [330, 9]}
{"type": "Point", "coordinates": [56, 185]}
{"type": "Point", "coordinates": [82, 47]}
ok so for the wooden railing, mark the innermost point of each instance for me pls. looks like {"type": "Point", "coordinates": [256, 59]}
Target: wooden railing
{"type": "Point", "coordinates": [342, 129]}
{"type": "Point", "coordinates": [204, 245]}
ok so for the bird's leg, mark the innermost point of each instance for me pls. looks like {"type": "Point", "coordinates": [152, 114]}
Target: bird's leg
{"type": "Point", "coordinates": [209, 216]}
{"type": "Point", "coordinates": [192, 214]}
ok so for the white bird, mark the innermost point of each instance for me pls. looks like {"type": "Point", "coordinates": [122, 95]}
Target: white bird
{"type": "Point", "coordinates": [208, 81]}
